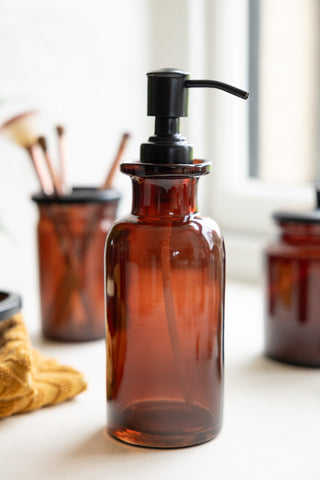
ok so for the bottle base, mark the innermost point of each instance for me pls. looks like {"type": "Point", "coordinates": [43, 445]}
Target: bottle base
{"type": "Point", "coordinates": [297, 362]}
{"type": "Point", "coordinates": [165, 424]}
{"type": "Point", "coordinates": [69, 338]}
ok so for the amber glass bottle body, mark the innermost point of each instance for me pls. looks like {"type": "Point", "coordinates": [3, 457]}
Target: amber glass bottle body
{"type": "Point", "coordinates": [292, 292]}
{"type": "Point", "coordinates": [165, 301]}
{"type": "Point", "coordinates": [71, 238]}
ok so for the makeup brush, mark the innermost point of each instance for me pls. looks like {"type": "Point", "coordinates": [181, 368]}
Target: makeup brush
{"type": "Point", "coordinates": [61, 147]}
{"type": "Point", "coordinates": [56, 183]}
{"type": "Point", "coordinates": [23, 130]}
{"type": "Point", "coordinates": [109, 179]}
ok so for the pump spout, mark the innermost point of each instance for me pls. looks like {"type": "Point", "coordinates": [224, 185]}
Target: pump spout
{"type": "Point", "coordinates": [219, 85]}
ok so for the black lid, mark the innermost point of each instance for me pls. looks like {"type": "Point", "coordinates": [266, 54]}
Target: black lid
{"type": "Point", "coordinates": [296, 217]}
{"type": "Point", "coordinates": [10, 303]}
{"type": "Point", "coordinates": [300, 217]}
{"type": "Point", "coordinates": [168, 101]}
{"type": "Point", "coordinates": [80, 195]}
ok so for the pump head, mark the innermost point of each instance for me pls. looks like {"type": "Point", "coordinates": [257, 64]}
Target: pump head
{"type": "Point", "coordinates": [168, 101]}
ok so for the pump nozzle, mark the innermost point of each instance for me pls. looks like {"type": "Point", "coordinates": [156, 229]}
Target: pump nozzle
{"type": "Point", "coordinates": [168, 101]}
{"type": "Point", "coordinates": [220, 85]}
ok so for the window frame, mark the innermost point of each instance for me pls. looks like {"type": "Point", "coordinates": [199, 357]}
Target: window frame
{"type": "Point", "coordinates": [242, 205]}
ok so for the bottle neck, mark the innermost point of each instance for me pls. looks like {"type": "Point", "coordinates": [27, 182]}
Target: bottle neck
{"type": "Point", "coordinates": [164, 197]}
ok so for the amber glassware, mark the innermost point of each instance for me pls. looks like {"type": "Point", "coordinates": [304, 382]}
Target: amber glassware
{"type": "Point", "coordinates": [165, 311]}
{"type": "Point", "coordinates": [71, 235]}
{"type": "Point", "coordinates": [292, 291]}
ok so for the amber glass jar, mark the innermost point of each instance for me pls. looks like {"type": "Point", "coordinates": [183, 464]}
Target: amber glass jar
{"type": "Point", "coordinates": [165, 310]}
{"type": "Point", "coordinates": [71, 235]}
{"type": "Point", "coordinates": [292, 290]}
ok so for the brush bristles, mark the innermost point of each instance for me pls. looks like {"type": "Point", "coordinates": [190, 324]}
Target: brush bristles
{"type": "Point", "coordinates": [60, 130]}
{"type": "Point", "coordinates": [22, 129]}
{"type": "Point", "coordinates": [43, 143]}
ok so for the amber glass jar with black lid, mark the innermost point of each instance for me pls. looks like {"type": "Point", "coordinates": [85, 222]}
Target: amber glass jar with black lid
{"type": "Point", "coordinates": [71, 233]}
{"type": "Point", "coordinates": [292, 289]}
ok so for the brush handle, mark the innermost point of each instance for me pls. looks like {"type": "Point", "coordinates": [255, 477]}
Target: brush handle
{"type": "Point", "coordinates": [62, 161]}
{"type": "Point", "coordinates": [45, 183]}
{"type": "Point", "coordinates": [62, 165]}
{"type": "Point", "coordinates": [109, 180]}
{"type": "Point", "coordinates": [54, 178]}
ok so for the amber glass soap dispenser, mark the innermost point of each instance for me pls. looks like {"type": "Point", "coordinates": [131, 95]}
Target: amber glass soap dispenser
{"type": "Point", "coordinates": [164, 288]}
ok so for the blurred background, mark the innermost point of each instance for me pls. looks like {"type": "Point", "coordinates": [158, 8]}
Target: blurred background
{"type": "Point", "coordinates": [82, 65]}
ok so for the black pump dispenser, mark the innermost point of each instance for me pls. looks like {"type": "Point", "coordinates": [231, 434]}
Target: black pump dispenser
{"type": "Point", "coordinates": [168, 101]}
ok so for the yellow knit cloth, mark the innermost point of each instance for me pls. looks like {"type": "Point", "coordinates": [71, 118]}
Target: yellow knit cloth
{"type": "Point", "coordinates": [28, 380]}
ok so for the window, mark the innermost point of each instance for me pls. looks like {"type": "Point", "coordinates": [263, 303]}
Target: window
{"type": "Point", "coordinates": [244, 194]}
{"type": "Point", "coordinates": [284, 78]}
